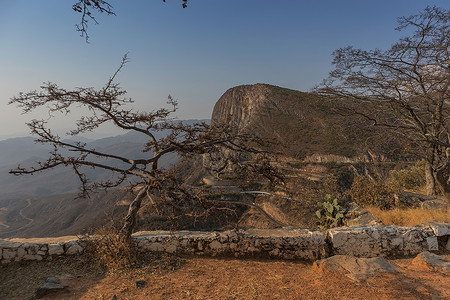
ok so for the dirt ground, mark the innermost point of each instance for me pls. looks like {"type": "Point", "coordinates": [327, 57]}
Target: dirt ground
{"type": "Point", "coordinates": [215, 278]}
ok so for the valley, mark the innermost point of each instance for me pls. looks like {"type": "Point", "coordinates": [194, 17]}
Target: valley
{"type": "Point", "coordinates": [320, 152]}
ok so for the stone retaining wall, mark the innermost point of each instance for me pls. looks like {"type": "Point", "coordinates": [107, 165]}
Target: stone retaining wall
{"type": "Point", "coordinates": [286, 243]}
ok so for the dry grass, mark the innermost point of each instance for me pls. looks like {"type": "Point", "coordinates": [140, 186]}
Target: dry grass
{"type": "Point", "coordinates": [410, 216]}
{"type": "Point", "coordinates": [111, 250]}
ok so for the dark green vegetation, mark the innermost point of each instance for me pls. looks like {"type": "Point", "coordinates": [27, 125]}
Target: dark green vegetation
{"type": "Point", "coordinates": [329, 214]}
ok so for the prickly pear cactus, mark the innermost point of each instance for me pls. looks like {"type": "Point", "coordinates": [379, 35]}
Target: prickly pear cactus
{"type": "Point", "coordinates": [329, 214]}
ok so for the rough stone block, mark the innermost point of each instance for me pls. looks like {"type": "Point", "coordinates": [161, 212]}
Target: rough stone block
{"type": "Point", "coordinates": [158, 247]}
{"type": "Point", "coordinates": [215, 246]}
{"type": "Point", "coordinates": [432, 243]}
{"type": "Point", "coordinates": [21, 252]}
{"type": "Point", "coordinates": [9, 254]}
{"type": "Point", "coordinates": [72, 248]}
{"type": "Point", "coordinates": [171, 247]}
{"type": "Point", "coordinates": [439, 229]}
{"type": "Point", "coordinates": [32, 249]}
{"type": "Point", "coordinates": [32, 257]}
{"type": "Point", "coordinates": [55, 249]}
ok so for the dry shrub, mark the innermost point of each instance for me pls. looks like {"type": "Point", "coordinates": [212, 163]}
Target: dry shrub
{"type": "Point", "coordinates": [408, 179]}
{"type": "Point", "coordinates": [368, 192]}
{"type": "Point", "coordinates": [112, 250]}
{"type": "Point", "coordinates": [410, 216]}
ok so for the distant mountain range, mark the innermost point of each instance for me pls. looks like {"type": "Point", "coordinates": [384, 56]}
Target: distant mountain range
{"type": "Point", "coordinates": [24, 151]}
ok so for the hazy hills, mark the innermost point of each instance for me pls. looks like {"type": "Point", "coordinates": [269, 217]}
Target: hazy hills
{"type": "Point", "coordinates": [25, 151]}
{"type": "Point", "coordinates": [50, 197]}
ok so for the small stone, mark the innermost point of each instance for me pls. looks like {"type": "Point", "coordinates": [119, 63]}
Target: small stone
{"type": "Point", "coordinates": [32, 257]}
{"type": "Point", "coordinates": [48, 288]}
{"type": "Point", "coordinates": [215, 245]}
{"type": "Point", "coordinates": [156, 247]}
{"type": "Point", "coordinates": [52, 279]}
{"type": "Point", "coordinates": [141, 283]}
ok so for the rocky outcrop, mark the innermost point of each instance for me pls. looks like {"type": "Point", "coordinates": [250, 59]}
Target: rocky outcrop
{"type": "Point", "coordinates": [432, 261]}
{"type": "Point", "coordinates": [238, 106]}
{"type": "Point", "coordinates": [301, 124]}
{"type": "Point", "coordinates": [286, 243]}
{"type": "Point", "coordinates": [355, 268]}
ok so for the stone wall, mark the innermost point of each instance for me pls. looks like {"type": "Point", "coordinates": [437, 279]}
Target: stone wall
{"type": "Point", "coordinates": [286, 243]}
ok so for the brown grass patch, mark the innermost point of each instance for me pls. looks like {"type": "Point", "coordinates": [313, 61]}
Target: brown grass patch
{"type": "Point", "coordinates": [410, 216]}
{"type": "Point", "coordinates": [111, 250]}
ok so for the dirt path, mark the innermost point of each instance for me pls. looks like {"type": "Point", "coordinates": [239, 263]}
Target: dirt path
{"type": "Point", "coordinates": [30, 221]}
{"type": "Point", "coordinates": [212, 278]}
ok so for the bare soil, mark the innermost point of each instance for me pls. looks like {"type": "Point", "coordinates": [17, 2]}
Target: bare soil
{"type": "Point", "coordinates": [170, 277]}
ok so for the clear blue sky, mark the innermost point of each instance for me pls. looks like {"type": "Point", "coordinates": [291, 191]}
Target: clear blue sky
{"type": "Point", "coordinates": [195, 54]}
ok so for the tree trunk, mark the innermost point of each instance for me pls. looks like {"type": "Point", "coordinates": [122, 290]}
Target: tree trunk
{"type": "Point", "coordinates": [430, 180]}
{"type": "Point", "coordinates": [130, 219]}
{"type": "Point", "coordinates": [442, 178]}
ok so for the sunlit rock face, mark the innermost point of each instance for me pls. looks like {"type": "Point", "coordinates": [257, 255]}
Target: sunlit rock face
{"type": "Point", "coordinates": [301, 124]}
{"type": "Point", "coordinates": [239, 105]}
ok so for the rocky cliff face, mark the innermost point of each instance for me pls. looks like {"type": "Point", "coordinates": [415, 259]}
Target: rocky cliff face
{"type": "Point", "coordinates": [239, 105]}
{"type": "Point", "coordinates": [302, 124]}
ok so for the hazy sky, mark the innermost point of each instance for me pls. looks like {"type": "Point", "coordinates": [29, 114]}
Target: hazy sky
{"type": "Point", "coordinates": [195, 54]}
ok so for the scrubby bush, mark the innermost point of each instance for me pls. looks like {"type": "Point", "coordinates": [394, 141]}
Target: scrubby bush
{"type": "Point", "coordinates": [408, 179]}
{"type": "Point", "coordinates": [329, 214]}
{"type": "Point", "coordinates": [410, 216]}
{"type": "Point", "coordinates": [367, 192]}
{"type": "Point", "coordinates": [112, 250]}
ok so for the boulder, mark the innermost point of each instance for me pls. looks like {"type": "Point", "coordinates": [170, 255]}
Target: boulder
{"type": "Point", "coordinates": [49, 288]}
{"type": "Point", "coordinates": [409, 199]}
{"type": "Point", "coordinates": [73, 248]}
{"type": "Point", "coordinates": [434, 204]}
{"type": "Point", "coordinates": [55, 249]}
{"type": "Point", "coordinates": [355, 268]}
{"type": "Point", "coordinates": [358, 216]}
{"type": "Point", "coordinates": [432, 261]}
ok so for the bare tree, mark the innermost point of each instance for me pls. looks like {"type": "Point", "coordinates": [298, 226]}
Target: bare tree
{"type": "Point", "coordinates": [407, 88]}
{"type": "Point", "coordinates": [88, 9]}
{"type": "Point", "coordinates": [161, 187]}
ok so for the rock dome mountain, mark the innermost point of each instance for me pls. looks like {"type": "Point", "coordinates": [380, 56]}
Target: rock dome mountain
{"type": "Point", "coordinates": [302, 123]}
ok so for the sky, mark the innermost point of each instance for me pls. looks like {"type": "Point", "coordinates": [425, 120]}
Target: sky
{"type": "Point", "coordinates": [194, 54]}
